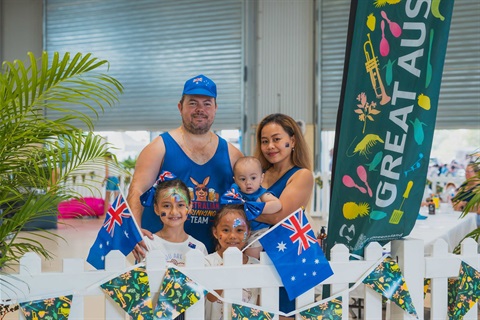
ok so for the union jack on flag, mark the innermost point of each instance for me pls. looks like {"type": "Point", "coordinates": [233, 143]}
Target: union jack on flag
{"type": "Point", "coordinates": [197, 80]}
{"type": "Point", "coordinates": [301, 267]}
{"type": "Point", "coordinates": [302, 232]}
{"type": "Point", "coordinates": [120, 219]}
{"type": "Point", "coordinates": [115, 214]}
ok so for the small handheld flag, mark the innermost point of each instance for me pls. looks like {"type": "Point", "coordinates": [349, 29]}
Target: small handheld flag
{"type": "Point", "coordinates": [296, 254]}
{"type": "Point", "coordinates": [119, 232]}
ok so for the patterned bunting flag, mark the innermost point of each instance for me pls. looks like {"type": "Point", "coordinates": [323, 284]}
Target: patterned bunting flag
{"type": "Point", "coordinates": [453, 284]}
{"type": "Point", "coordinates": [177, 294]}
{"type": "Point", "coordinates": [131, 291]}
{"type": "Point", "coordinates": [426, 285]}
{"type": "Point", "coordinates": [467, 291]}
{"type": "Point", "coordinates": [240, 312]}
{"type": "Point", "coordinates": [329, 310]}
{"type": "Point", "coordinates": [387, 279]}
{"type": "Point", "coordinates": [53, 308]}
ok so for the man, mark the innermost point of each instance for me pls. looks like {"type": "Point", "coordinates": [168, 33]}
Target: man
{"type": "Point", "coordinates": [194, 154]}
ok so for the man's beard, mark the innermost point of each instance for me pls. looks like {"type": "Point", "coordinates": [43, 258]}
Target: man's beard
{"type": "Point", "coordinates": [190, 128]}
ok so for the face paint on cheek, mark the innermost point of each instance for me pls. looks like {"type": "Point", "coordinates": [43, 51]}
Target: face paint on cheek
{"type": "Point", "coordinates": [245, 236]}
{"type": "Point", "coordinates": [287, 145]}
{"type": "Point", "coordinates": [163, 214]}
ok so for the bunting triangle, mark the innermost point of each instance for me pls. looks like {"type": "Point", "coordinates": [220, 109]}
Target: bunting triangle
{"type": "Point", "coordinates": [466, 290]}
{"type": "Point", "coordinates": [329, 310]}
{"type": "Point", "coordinates": [52, 308]}
{"type": "Point", "coordinates": [177, 294]}
{"type": "Point", "coordinates": [131, 291]}
{"type": "Point", "coordinates": [387, 279]}
{"type": "Point", "coordinates": [240, 312]}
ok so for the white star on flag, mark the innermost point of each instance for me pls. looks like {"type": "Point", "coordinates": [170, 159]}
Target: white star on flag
{"type": "Point", "coordinates": [281, 246]}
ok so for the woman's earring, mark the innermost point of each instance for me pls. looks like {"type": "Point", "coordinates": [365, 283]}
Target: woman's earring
{"type": "Point", "coordinates": [293, 149]}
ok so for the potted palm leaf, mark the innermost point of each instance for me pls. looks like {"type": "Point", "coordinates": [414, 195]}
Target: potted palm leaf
{"type": "Point", "coordinates": [37, 153]}
{"type": "Point", "coordinates": [467, 198]}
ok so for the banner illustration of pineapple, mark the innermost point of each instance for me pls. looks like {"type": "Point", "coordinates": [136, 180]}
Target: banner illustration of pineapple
{"type": "Point", "coordinates": [131, 291]}
{"type": "Point", "coordinates": [177, 294]}
{"type": "Point", "coordinates": [330, 310]}
{"type": "Point", "coordinates": [240, 312]}
{"type": "Point", "coordinates": [53, 308]}
{"type": "Point", "coordinates": [464, 292]}
{"type": "Point", "coordinates": [387, 279]}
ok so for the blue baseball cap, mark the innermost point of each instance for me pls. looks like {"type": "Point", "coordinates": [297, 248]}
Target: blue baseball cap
{"type": "Point", "coordinates": [200, 85]}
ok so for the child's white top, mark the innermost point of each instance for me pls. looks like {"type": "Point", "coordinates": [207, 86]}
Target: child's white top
{"type": "Point", "coordinates": [214, 310]}
{"type": "Point", "coordinates": [175, 252]}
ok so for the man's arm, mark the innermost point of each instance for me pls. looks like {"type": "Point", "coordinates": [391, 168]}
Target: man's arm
{"type": "Point", "coordinates": [148, 165]}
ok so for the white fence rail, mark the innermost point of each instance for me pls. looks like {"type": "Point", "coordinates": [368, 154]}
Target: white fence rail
{"type": "Point", "coordinates": [32, 284]}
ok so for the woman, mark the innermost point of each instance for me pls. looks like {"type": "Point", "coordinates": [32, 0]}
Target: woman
{"type": "Point", "coordinates": [285, 158]}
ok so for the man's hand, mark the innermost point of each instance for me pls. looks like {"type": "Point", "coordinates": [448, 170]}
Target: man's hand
{"type": "Point", "coordinates": [140, 250]}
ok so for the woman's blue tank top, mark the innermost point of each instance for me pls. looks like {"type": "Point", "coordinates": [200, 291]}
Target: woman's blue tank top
{"type": "Point", "coordinates": [206, 183]}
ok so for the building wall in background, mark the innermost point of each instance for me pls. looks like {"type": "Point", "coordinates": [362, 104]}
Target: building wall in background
{"type": "Point", "coordinates": [21, 29]}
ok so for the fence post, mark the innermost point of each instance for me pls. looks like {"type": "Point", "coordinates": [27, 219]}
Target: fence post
{"type": "Point", "coordinates": [196, 259]}
{"type": "Point", "coordinates": [114, 261]}
{"type": "Point", "coordinates": [340, 253]}
{"type": "Point", "coordinates": [409, 254]}
{"type": "Point", "coordinates": [269, 296]}
{"type": "Point", "coordinates": [438, 285]}
{"type": "Point", "coordinates": [373, 300]}
{"type": "Point", "coordinates": [232, 257]}
{"type": "Point", "coordinates": [75, 266]}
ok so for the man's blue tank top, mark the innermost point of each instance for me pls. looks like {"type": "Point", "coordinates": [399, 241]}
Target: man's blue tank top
{"type": "Point", "coordinates": [206, 183]}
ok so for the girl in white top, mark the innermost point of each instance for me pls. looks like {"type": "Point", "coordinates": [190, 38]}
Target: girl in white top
{"type": "Point", "coordinates": [230, 229]}
{"type": "Point", "coordinates": [172, 204]}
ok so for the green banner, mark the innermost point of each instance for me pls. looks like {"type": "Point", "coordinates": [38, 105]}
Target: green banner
{"type": "Point", "coordinates": [386, 118]}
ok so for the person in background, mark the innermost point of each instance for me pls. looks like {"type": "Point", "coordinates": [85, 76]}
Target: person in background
{"type": "Point", "coordinates": [111, 184]}
{"type": "Point", "coordinates": [199, 157]}
{"type": "Point", "coordinates": [248, 176]}
{"type": "Point", "coordinates": [230, 229]}
{"type": "Point", "coordinates": [172, 204]}
{"type": "Point", "coordinates": [449, 192]}
{"type": "Point", "coordinates": [285, 158]}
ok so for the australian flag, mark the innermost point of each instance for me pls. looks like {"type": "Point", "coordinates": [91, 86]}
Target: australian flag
{"type": "Point", "coordinates": [119, 232]}
{"type": "Point", "coordinates": [296, 254]}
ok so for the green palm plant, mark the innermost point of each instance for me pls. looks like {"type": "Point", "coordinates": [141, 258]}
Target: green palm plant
{"type": "Point", "coordinates": [473, 202]}
{"type": "Point", "coordinates": [37, 153]}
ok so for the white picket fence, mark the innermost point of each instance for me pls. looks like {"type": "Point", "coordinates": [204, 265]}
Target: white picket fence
{"type": "Point", "coordinates": [32, 284]}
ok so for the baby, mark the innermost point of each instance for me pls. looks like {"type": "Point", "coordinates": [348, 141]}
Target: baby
{"type": "Point", "coordinates": [248, 177]}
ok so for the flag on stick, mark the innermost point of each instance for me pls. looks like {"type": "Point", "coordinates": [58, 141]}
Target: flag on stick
{"type": "Point", "coordinates": [296, 254]}
{"type": "Point", "coordinates": [119, 232]}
